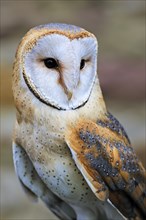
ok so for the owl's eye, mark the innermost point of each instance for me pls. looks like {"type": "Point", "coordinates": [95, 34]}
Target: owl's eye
{"type": "Point", "coordinates": [50, 63]}
{"type": "Point", "coordinates": [82, 64]}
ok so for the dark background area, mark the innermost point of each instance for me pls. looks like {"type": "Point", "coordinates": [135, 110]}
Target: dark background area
{"type": "Point", "coordinates": [120, 30]}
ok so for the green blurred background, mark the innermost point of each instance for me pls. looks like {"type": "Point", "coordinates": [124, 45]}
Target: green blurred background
{"type": "Point", "coordinates": [120, 30]}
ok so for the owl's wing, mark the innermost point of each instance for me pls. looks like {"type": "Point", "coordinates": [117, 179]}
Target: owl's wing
{"type": "Point", "coordinates": [110, 166]}
{"type": "Point", "coordinates": [34, 186]}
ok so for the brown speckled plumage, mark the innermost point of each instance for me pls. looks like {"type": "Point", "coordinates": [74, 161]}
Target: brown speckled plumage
{"type": "Point", "coordinates": [74, 158]}
{"type": "Point", "coordinates": [105, 153]}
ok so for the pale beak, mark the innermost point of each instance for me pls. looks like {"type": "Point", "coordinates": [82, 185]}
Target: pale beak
{"type": "Point", "coordinates": [69, 94]}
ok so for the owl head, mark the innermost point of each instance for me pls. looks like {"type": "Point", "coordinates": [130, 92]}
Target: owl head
{"type": "Point", "coordinates": [57, 63]}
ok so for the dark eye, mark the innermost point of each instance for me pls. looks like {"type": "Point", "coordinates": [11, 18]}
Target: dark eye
{"type": "Point", "coordinates": [82, 64]}
{"type": "Point", "coordinates": [50, 63]}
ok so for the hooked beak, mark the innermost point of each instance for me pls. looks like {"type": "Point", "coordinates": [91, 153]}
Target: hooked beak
{"type": "Point", "coordinates": [69, 94]}
{"type": "Point", "coordinates": [66, 90]}
{"type": "Point", "coordinates": [69, 83]}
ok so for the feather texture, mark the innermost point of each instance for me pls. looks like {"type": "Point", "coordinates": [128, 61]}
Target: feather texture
{"type": "Point", "coordinates": [34, 186]}
{"type": "Point", "coordinates": [109, 164]}
{"type": "Point", "coordinates": [61, 114]}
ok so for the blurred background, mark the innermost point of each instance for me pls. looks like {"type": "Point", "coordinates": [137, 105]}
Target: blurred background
{"type": "Point", "coordinates": [120, 30]}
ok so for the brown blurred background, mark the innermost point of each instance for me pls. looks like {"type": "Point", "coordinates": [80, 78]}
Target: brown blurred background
{"type": "Point", "coordinates": [120, 29]}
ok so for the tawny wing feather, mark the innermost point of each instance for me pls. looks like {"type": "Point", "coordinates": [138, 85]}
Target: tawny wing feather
{"type": "Point", "coordinates": [103, 153]}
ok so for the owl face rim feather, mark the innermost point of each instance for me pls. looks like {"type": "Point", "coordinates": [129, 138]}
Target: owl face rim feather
{"type": "Point", "coordinates": [67, 87]}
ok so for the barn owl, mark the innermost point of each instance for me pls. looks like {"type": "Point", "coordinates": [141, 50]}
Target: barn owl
{"type": "Point", "coordinates": [68, 150]}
